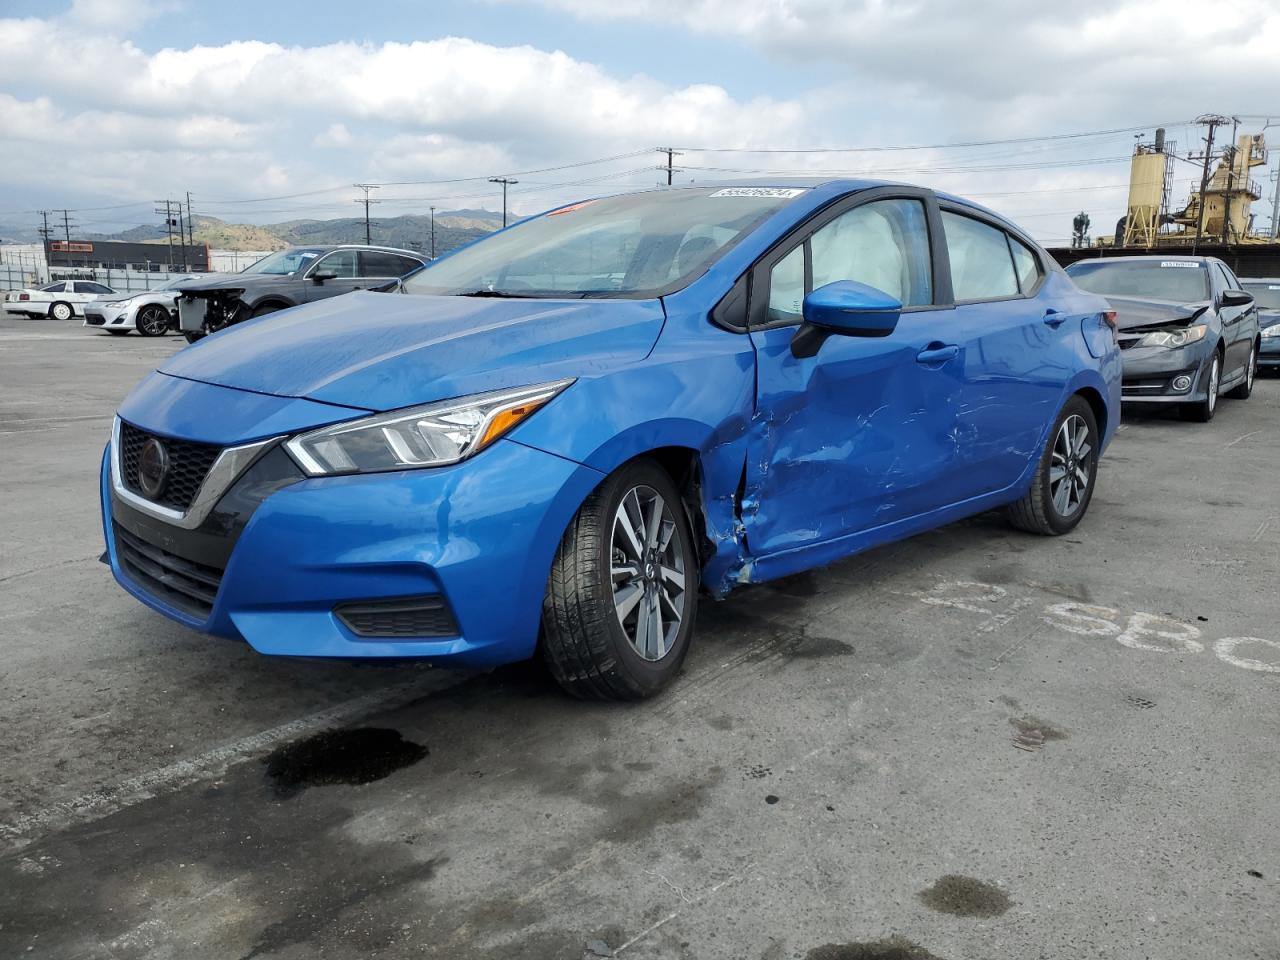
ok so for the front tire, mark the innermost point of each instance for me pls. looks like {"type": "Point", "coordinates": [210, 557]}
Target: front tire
{"type": "Point", "coordinates": [1202, 411]}
{"type": "Point", "coordinates": [619, 609]}
{"type": "Point", "coordinates": [153, 321]}
{"type": "Point", "coordinates": [62, 311]}
{"type": "Point", "coordinates": [1064, 479]}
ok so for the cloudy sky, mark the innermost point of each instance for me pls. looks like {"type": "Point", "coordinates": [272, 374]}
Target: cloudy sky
{"type": "Point", "coordinates": [267, 111]}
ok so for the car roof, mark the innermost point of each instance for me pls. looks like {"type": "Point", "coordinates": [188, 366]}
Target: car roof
{"type": "Point", "coordinates": [1248, 280]}
{"type": "Point", "coordinates": [330, 247]}
{"type": "Point", "coordinates": [1150, 259]}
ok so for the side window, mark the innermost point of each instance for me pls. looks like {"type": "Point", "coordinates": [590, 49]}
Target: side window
{"type": "Point", "coordinates": [1026, 264]}
{"type": "Point", "coordinates": [340, 263]}
{"type": "Point", "coordinates": [884, 244]}
{"type": "Point", "coordinates": [1229, 277]}
{"type": "Point", "coordinates": [406, 265]}
{"type": "Point", "coordinates": [786, 287]}
{"type": "Point", "coordinates": [54, 288]}
{"type": "Point", "coordinates": [84, 286]}
{"type": "Point", "coordinates": [981, 265]}
{"type": "Point", "coordinates": [375, 263]}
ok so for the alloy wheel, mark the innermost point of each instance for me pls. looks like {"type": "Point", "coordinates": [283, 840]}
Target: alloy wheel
{"type": "Point", "coordinates": [1070, 465]}
{"type": "Point", "coordinates": [1213, 384]}
{"type": "Point", "coordinates": [648, 575]}
{"type": "Point", "coordinates": [154, 321]}
{"type": "Point", "coordinates": [1252, 371]}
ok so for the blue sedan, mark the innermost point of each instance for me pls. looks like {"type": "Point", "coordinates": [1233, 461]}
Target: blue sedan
{"type": "Point", "coordinates": [559, 435]}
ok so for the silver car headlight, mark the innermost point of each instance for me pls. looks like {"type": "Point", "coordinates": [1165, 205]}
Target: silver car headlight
{"type": "Point", "coordinates": [432, 435]}
{"type": "Point", "coordinates": [1271, 331]}
{"type": "Point", "coordinates": [1174, 338]}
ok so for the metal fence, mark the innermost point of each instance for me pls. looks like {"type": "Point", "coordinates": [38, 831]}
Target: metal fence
{"type": "Point", "coordinates": [17, 276]}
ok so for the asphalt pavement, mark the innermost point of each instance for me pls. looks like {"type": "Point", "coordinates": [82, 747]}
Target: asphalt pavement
{"type": "Point", "coordinates": [973, 745]}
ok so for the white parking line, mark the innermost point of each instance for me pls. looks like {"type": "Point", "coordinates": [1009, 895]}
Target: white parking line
{"type": "Point", "coordinates": [96, 804]}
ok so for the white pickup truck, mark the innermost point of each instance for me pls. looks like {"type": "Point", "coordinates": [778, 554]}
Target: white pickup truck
{"type": "Point", "coordinates": [60, 300]}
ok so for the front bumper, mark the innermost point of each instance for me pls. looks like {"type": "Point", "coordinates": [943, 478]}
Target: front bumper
{"type": "Point", "coordinates": [1269, 354]}
{"type": "Point", "coordinates": [480, 534]}
{"type": "Point", "coordinates": [1151, 373]}
{"type": "Point", "coordinates": [100, 316]}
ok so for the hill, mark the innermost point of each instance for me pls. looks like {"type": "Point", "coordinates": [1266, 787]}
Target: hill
{"type": "Point", "coordinates": [412, 231]}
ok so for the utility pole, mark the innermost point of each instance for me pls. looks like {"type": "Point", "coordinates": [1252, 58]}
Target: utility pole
{"type": "Point", "coordinates": [366, 187]}
{"type": "Point", "coordinates": [505, 183]}
{"type": "Point", "coordinates": [433, 233]}
{"type": "Point", "coordinates": [1229, 157]}
{"type": "Point", "coordinates": [671, 155]}
{"type": "Point", "coordinates": [1275, 204]}
{"type": "Point", "coordinates": [1212, 122]}
{"type": "Point", "coordinates": [191, 229]}
{"type": "Point", "coordinates": [44, 231]}
{"type": "Point", "coordinates": [167, 213]}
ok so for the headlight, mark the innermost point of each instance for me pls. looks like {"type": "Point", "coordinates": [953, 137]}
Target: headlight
{"type": "Point", "coordinates": [1174, 338]}
{"type": "Point", "coordinates": [1272, 331]}
{"type": "Point", "coordinates": [428, 436]}
{"type": "Point", "coordinates": [116, 303]}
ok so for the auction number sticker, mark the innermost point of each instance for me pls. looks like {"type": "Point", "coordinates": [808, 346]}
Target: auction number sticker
{"type": "Point", "coordinates": [1179, 263]}
{"type": "Point", "coordinates": [771, 193]}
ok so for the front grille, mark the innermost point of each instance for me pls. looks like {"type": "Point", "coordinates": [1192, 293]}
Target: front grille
{"type": "Point", "coordinates": [94, 319]}
{"type": "Point", "coordinates": [399, 617]}
{"type": "Point", "coordinates": [189, 586]}
{"type": "Point", "coordinates": [189, 464]}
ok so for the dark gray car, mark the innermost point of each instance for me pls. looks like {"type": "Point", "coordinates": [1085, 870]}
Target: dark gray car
{"type": "Point", "coordinates": [1266, 293]}
{"type": "Point", "coordinates": [286, 279]}
{"type": "Point", "coordinates": [1187, 330]}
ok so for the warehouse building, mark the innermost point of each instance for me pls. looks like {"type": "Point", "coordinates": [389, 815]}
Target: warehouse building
{"type": "Point", "coordinates": [119, 255]}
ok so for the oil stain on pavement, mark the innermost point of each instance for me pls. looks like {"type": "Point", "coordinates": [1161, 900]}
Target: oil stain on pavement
{"type": "Point", "coordinates": [894, 948]}
{"type": "Point", "coordinates": [1032, 733]}
{"type": "Point", "coordinates": [965, 897]}
{"type": "Point", "coordinates": [356, 756]}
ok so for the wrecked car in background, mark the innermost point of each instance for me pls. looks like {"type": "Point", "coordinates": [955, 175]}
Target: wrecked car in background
{"type": "Point", "coordinates": [560, 433]}
{"type": "Point", "coordinates": [1187, 330]}
{"type": "Point", "coordinates": [286, 279]}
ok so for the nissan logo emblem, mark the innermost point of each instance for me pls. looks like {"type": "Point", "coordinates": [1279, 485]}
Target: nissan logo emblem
{"type": "Point", "coordinates": [153, 468]}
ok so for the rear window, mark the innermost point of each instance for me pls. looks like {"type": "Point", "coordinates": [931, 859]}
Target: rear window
{"type": "Point", "coordinates": [1179, 281]}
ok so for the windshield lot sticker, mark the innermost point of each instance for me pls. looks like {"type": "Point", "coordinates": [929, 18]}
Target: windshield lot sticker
{"type": "Point", "coordinates": [772, 193]}
{"type": "Point", "coordinates": [1179, 263]}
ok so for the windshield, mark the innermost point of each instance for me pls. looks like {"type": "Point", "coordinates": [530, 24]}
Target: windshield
{"type": "Point", "coordinates": [1181, 281]}
{"type": "Point", "coordinates": [1266, 295]}
{"type": "Point", "coordinates": [171, 284]}
{"type": "Point", "coordinates": [636, 245]}
{"type": "Point", "coordinates": [285, 262]}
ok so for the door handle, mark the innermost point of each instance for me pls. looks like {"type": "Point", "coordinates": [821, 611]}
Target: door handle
{"type": "Point", "coordinates": [937, 353]}
{"type": "Point", "coordinates": [1054, 318]}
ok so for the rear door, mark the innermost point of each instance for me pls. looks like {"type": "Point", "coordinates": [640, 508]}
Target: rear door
{"type": "Point", "coordinates": [1017, 351]}
{"type": "Point", "coordinates": [863, 433]}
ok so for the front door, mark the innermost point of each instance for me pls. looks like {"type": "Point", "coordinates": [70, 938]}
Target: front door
{"type": "Point", "coordinates": [863, 433]}
{"type": "Point", "coordinates": [342, 275]}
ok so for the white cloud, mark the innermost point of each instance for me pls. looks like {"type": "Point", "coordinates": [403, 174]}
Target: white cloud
{"type": "Point", "coordinates": [337, 135]}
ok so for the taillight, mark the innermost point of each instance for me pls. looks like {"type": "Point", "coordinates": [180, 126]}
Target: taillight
{"type": "Point", "coordinates": [1109, 318]}
{"type": "Point", "coordinates": [24, 296]}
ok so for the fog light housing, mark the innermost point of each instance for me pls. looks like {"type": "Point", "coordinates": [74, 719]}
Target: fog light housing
{"type": "Point", "coordinates": [1182, 384]}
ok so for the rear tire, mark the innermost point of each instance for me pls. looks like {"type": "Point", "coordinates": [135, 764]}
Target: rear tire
{"type": "Point", "coordinates": [194, 335]}
{"type": "Point", "coordinates": [1245, 390]}
{"type": "Point", "coordinates": [62, 311]}
{"type": "Point", "coordinates": [1202, 411]}
{"type": "Point", "coordinates": [618, 613]}
{"type": "Point", "coordinates": [1062, 486]}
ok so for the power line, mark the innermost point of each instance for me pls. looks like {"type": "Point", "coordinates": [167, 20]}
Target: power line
{"type": "Point", "coordinates": [506, 182]}
{"type": "Point", "coordinates": [933, 146]}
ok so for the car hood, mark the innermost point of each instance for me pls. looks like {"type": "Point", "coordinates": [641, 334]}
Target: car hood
{"type": "Point", "coordinates": [383, 351]}
{"type": "Point", "coordinates": [1133, 313]}
{"type": "Point", "coordinates": [222, 281]}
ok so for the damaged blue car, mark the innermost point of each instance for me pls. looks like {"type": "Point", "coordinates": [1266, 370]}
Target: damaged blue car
{"type": "Point", "coordinates": [556, 437]}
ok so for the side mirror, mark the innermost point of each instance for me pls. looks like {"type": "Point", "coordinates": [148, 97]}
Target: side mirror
{"type": "Point", "coordinates": [319, 277]}
{"type": "Point", "coordinates": [1236, 298]}
{"type": "Point", "coordinates": [848, 308]}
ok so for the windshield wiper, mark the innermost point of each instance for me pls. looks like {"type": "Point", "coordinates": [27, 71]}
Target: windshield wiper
{"type": "Point", "coordinates": [503, 294]}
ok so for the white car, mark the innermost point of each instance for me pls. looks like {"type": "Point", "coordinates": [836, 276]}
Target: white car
{"type": "Point", "coordinates": [148, 312]}
{"type": "Point", "coordinates": [60, 300]}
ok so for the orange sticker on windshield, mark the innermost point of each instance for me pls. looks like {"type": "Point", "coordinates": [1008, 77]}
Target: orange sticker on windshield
{"type": "Point", "coordinates": [570, 208]}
